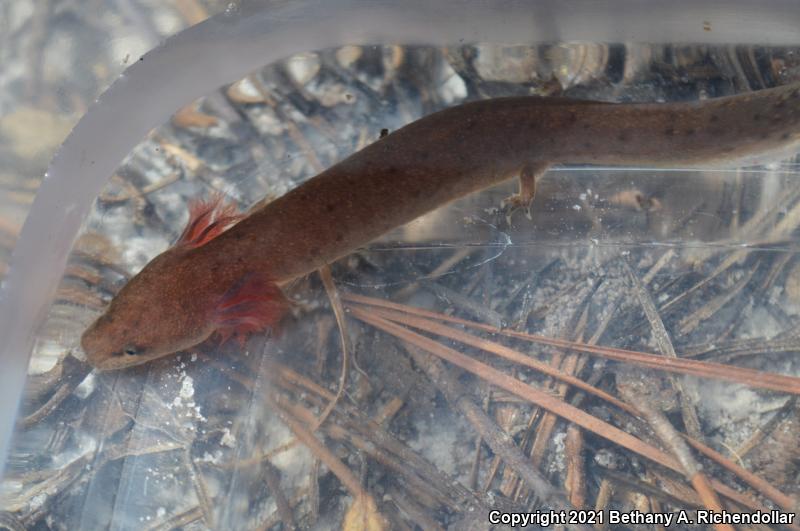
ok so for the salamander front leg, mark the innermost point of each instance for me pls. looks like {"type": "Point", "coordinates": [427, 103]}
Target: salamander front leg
{"type": "Point", "coordinates": [527, 189]}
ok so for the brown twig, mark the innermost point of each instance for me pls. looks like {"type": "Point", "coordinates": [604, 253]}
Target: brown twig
{"type": "Point", "coordinates": [522, 390]}
{"type": "Point", "coordinates": [765, 380]}
{"type": "Point", "coordinates": [339, 469]}
{"type": "Point", "coordinates": [291, 127]}
{"type": "Point", "coordinates": [768, 427]}
{"type": "Point", "coordinates": [446, 265]}
{"type": "Point", "coordinates": [418, 473]}
{"type": "Point", "coordinates": [274, 484]}
{"type": "Point", "coordinates": [191, 116]}
{"type": "Point", "coordinates": [71, 372]}
{"type": "Point", "coordinates": [684, 496]}
{"type": "Point", "coordinates": [338, 311]}
{"type": "Point", "coordinates": [137, 193]}
{"type": "Point", "coordinates": [568, 363]}
{"type": "Point", "coordinates": [298, 500]}
{"type": "Point", "coordinates": [761, 485]}
{"type": "Point", "coordinates": [676, 444]}
{"type": "Point", "coordinates": [543, 400]}
{"type": "Point", "coordinates": [604, 494]}
{"type": "Point", "coordinates": [713, 305]}
{"type": "Point", "coordinates": [200, 488]}
{"type": "Point", "coordinates": [754, 481]}
{"type": "Point", "coordinates": [498, 440]}
{"type": "Point", "coordinates": [10, 522]}
{"type": "Point", "coordinates": [499, 350]}
{"type": "Point", "coordinates": [661, 336]}
{"type": "Point", "coordinates": [180, 520]}
{"type": "Point", "coordinates": [575, 480]}
{"type": "Point", "coordinates": [414, 511]}
{"type": "Point", "coordinates": [459, 301]}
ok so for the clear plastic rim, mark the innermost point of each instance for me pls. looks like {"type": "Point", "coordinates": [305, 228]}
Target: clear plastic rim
{"type": "Point", "coordinates": [245, 37]}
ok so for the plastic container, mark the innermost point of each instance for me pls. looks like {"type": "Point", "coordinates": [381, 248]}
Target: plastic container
{"type": "Point", "coordinates": [245, 37]}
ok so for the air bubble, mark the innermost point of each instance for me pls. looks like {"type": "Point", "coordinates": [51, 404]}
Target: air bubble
{"type": "Point", "coordinates": [232, 8]}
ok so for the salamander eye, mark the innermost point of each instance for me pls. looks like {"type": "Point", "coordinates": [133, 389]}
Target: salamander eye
{"type": "Point", "coordinates": [132, 350]}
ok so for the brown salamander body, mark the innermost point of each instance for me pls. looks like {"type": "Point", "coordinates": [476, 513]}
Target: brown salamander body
{"type": "Point", "coordinates": [226, 281]}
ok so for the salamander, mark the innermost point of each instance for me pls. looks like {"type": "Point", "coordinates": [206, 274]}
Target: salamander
{"type": "Point", "coordinates": [224, 275]}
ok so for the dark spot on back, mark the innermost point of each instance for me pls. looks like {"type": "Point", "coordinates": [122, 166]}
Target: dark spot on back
{"type": "Point", "coordinates": [587, 145]}
{"type": "Point", "coordinates": [624, 136]}
{"type": "Point", "coordinates": [330, 207]}
{"type": "Point", "coordinates": [713, 118]}
{"type": "Point", "coordinates": [669, 131]}
{"type": "Point", "coordinates": [690, 131]}
{"type": "Point", "coordinates": [756, 117]}
{"type": "Point", "coordinates": [785, 136]}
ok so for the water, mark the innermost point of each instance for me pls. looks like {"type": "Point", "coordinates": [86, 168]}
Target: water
{"type": "Point", "coordinates": [186, 441]}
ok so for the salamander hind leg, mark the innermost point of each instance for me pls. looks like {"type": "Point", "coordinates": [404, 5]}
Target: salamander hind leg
{"type": "Point", "coordinates": [527, 189]}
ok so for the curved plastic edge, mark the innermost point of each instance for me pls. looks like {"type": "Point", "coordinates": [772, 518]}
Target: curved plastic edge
{"type": "Point", "coordinates": [245, 37]}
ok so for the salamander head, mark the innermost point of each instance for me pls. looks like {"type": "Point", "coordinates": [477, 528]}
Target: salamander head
{"type": "Point", "coordinates": [149, 318]}
{"type": "Point", "coordinates": [176, 302]}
